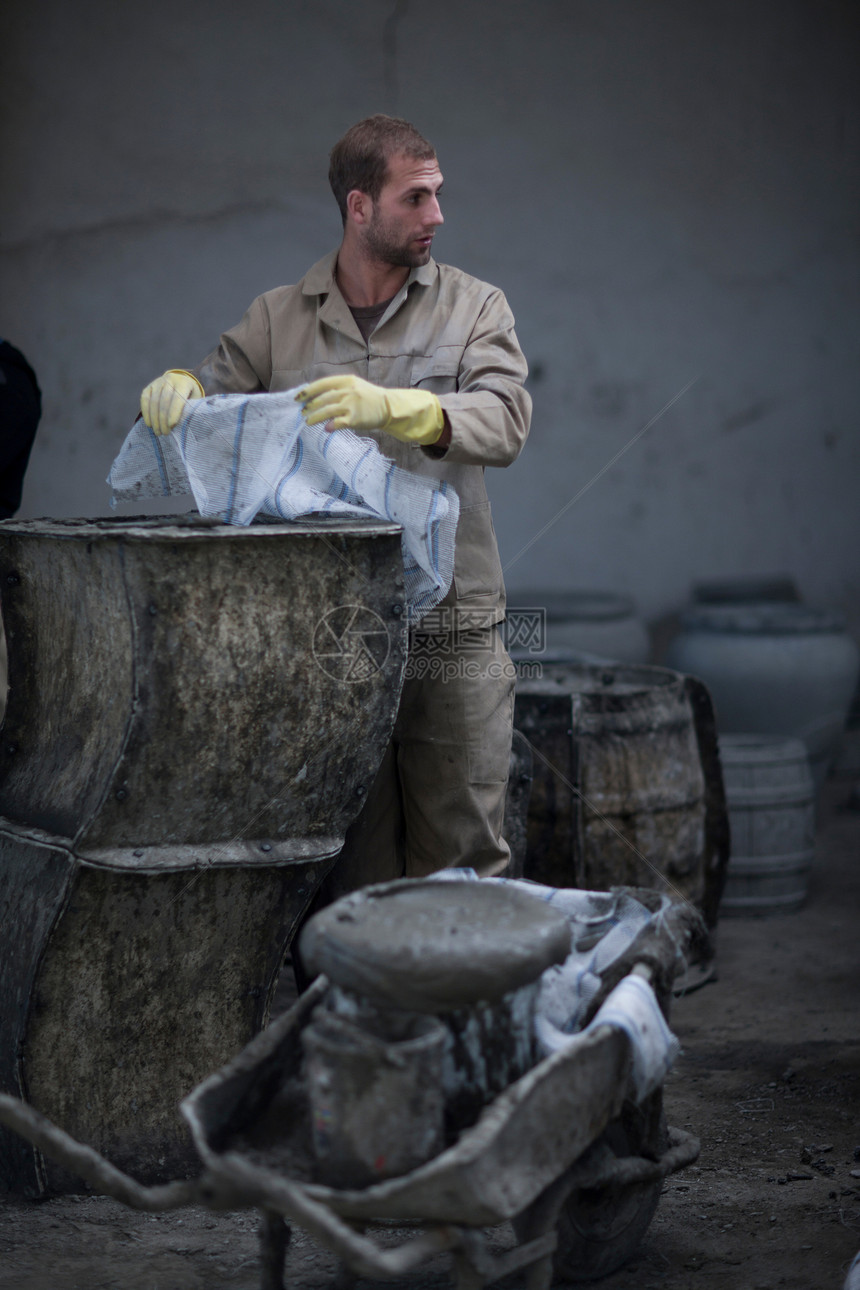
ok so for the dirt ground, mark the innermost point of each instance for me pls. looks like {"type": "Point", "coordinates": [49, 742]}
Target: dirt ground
{"type": "Point", "coordinates": [769, 1081]}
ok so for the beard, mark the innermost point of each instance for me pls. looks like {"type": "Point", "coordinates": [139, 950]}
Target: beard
{"type": "Point", "coordinates": [384, 244]}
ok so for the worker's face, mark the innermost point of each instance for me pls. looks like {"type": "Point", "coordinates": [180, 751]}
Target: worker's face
{"type": "Point", "coordinates": [406, 214]}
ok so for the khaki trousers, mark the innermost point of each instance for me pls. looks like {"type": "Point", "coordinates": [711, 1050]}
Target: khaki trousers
{"type": "Point", "coordinates": [438, 799]}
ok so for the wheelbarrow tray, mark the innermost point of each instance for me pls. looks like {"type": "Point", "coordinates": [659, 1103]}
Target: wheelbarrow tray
{"type": "Point", "coordinates": [547, 1153]}
{"type": "Point", "coordinates": [251, 1126]}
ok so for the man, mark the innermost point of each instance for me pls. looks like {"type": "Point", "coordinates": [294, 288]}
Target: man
{"type": "Point", "coordinates": [423, 359]}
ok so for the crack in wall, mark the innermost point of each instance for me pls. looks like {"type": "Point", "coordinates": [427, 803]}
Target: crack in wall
{"type": "Point", "coordinates": [138, 223]}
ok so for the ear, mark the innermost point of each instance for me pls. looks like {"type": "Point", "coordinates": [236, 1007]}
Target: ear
{"type": "Point", "coordinates": [359, 206]}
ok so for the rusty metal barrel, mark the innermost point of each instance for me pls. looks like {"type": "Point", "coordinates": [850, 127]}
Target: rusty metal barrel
{"type": "Point", "coordinates": [627, 786]}
{"type": "Point", "coordinates": [195, 713]}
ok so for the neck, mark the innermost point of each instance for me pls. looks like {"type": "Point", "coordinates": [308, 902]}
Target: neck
{"type": "Point", "coordinates": [365, 281]}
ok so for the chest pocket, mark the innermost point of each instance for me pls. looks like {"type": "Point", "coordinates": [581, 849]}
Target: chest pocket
{"type": "Point", "coordinates": [438, 374]}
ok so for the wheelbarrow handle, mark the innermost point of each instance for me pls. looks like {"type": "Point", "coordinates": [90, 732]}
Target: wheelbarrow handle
{"type": "Point", "coordinates": [240, 1184]}
{"type": "Point", "coordinates": [101, 1175]}
{"type": "Point", "coordinates": [242, 1190]}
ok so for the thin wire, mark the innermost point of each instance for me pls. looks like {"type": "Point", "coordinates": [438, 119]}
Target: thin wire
{"type": "Point", "coordinates": [600, 472]}
{"type": "Point", "coordinates": [224, 847]}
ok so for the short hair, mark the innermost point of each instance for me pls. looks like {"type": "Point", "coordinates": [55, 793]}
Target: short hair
{"type": "Point", "coordinates": [360, 159]}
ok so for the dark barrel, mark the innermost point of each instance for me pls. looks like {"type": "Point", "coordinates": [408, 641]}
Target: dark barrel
{"type": "Point", "coordinates": [627, 786]}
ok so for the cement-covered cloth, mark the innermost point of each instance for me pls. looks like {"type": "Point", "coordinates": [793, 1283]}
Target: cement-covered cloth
{"type": "Point", "coordinates": [603, 925]}
{"type": "Point", "coordinates": [241, 455]}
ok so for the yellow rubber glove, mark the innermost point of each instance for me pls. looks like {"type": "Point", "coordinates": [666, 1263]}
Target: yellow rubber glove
{"type": "Point", "coordinates": [163, 401]}
{"type": "Point", "coordinates": [348, 402]}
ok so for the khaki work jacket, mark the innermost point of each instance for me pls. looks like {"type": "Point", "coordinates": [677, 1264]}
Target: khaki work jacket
{"type": "Point", "coordinates": [445, 332]}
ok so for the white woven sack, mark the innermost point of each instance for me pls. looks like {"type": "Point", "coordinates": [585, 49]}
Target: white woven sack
{"type": "Point", "coordinates": [243, 454]}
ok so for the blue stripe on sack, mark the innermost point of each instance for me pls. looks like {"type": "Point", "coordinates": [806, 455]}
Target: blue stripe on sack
{"type": "Point", "coordinates": [417, 603]}
{"type": "Point", "coordinates": [434, 532]}
{"type": "Point", "coordinates": [159, 459]}
{"type": "Point", "coordinates": [234, 465]}
{"type": "Point", "coordinates": [300, 452]}
{"type": "Point", "coordinates": [416, 574]}
{"type": "Point", "coordinates": [362, 458]}
{"type": "Point", "coordinates": [389, 475]}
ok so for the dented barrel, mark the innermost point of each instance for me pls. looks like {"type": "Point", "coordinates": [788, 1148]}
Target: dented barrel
{"type": "Point", "coordinates": [195, 714]}
{"type": "Point", "coordinates": [175, 685]}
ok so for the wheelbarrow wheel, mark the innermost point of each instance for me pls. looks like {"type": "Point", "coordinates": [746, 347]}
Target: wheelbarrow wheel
{"type": "Point", "coordinates": [600, 1228]}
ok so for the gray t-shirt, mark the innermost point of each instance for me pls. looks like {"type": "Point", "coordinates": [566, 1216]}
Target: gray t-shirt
{"type": "Point", "coordinates": [367, 316]}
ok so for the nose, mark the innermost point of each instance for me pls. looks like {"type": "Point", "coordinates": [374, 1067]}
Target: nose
{"type": "Point", "coordinates": [434, 214]}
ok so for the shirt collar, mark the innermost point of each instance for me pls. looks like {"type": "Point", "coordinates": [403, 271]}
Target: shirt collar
{"type": "Point", "coordinates": [320, 280]}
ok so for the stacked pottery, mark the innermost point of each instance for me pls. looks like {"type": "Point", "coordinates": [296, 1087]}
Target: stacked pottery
{"type": "Point", "coordinates": [773, 668]}
{"type": "Point", "coordinates": [781, 675]}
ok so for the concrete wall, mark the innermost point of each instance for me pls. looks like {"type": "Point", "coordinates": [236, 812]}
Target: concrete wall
{"type": "Point", "coordinates": [667, 192]}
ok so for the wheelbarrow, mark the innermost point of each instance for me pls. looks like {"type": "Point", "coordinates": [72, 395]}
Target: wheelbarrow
{"type": "Point", "coordinates": [563, 1153]}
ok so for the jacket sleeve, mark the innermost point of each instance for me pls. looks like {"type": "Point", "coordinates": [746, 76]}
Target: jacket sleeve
{"type": "Point", "coordinates": [242, 363]}
{"type": "Point", "coordinates": [491, 411]}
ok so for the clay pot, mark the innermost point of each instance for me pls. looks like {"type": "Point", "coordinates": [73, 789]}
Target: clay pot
{"type": "Point", "coordinates": [773, 668]}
